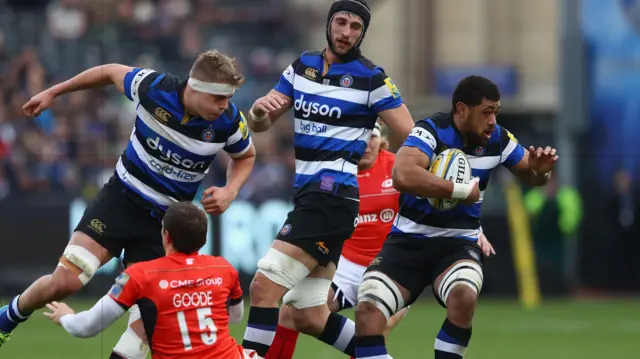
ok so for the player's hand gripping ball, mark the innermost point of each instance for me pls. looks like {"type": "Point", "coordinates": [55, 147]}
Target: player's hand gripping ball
{"type": "Point", "coordinates": [452, 165]}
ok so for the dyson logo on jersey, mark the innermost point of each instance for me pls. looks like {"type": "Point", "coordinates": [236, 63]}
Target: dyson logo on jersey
{"type": "Point", "coordinates": [197, 299]}
{"type": "Point", "coordinates": [312, 127]}
{"type": "Point", "coordinates": [168, 155]}
{"type": "Point", "coordinates": [313, 108]}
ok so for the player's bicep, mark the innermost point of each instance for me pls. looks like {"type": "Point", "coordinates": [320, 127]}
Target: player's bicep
{"type": "Point", "coordinates": [409, 157]}
{"type": "Point", "coordinates": [398, 119]}
{"type": "Point", "coordinates": [384, 93]}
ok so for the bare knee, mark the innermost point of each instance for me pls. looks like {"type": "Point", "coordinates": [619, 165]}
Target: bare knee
{"type": "Point", "coordinates": [369, 319]}
{"type": "Point", "coordinates": [264, 292]}
{"type": "Point", "coordinates": [310, 321]}
{"type": "Point", "coordinates": [461, 305]}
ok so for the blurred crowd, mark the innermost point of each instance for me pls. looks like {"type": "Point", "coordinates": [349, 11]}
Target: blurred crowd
{"type": "Point", "coordinates": [73, 147]}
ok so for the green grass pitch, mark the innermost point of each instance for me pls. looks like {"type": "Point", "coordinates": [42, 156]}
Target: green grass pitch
{"type": "Point", "coordinates": [502, 330]}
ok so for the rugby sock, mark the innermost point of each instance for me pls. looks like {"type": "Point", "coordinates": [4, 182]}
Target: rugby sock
{"type": "Point", "coordinates": [371, 347]}
{"type": "Point", "coordinates": [12, 317]}
{"type": "Point", "coordinates": [261, 329]}
{"type": "Point", "coordinates": [340, 333]}
{"type": "Point", "coordinates": [284, 344]}
{"type": "Point", "coordinates": [452, 341]}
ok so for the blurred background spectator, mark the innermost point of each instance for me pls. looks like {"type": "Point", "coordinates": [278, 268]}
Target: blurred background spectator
{"type": "Point", "coordinates": [74, 146]}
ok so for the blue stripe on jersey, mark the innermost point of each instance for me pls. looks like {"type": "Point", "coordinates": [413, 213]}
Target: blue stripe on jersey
{"type": "Point", "coordinates": [165, 146]}
{"type": "Point", "coordinates": [347, 179]}
{"type": "Point", "coordinates": [176, 186]}
{"type": "Point", "coordinates": [328, 143]}
{"type": "Point", "coordinates": [284, 87]}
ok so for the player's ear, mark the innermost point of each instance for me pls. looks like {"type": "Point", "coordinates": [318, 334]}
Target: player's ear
{"type": "Point", "coordinates": [462, 109]}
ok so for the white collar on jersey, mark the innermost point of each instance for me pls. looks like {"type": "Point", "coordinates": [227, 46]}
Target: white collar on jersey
{"type": "Point", "coordinates": [211, 87]}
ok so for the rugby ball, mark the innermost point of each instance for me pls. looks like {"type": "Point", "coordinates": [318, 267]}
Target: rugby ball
{"type": "Point", "coordinates": [452, 165]}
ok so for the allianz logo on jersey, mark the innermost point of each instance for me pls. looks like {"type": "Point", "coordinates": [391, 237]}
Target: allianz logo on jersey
{"type": "Point", "coordinates": [167, 155]}
{"type": "Point", "coordinates": [385, 216]}
{"type": "Point", "coordinates": [309, 108]}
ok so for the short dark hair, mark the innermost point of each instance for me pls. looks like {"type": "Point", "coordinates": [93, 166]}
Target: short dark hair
{"type": "Point", "coordinates": [187, 227]}
{"type": "Point", "coordinates": [471, 90]}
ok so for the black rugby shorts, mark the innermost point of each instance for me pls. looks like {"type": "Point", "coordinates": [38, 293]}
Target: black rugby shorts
{"type": "Point", "coordinates": [118, 220]}
{"type": "Point", "coordinates": [319, 224]}
{"type": "Point", "coordinates": [415, 263]}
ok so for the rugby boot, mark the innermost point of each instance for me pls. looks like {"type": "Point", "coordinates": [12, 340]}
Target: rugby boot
{"type": "Point", "coordinates": [6, 325]}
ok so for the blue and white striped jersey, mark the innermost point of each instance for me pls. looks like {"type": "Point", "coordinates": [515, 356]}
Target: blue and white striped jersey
{"type": "Point", "coordinates": [169, 153]}
{"type": "Point", "coordinates": [431, 136]}
{"type": "Point", "coordinates": [335, 112]}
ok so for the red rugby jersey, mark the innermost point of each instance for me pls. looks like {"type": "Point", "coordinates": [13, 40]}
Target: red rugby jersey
{"type": "Point", "coordinates": [183, 301]}
{"type": "Point", "coordinates": [378, 207]}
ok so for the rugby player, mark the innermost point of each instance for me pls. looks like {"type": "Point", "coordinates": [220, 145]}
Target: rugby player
{"type": "Point", "coordinates": [182, 297]}
{"type": "Point", "coordinates": [378, 206]}
{"type": "Point", "coordinates": [426, 247]}
{"type": "Point", "coordinates": [337, 95]}
{"type": "Point", "coordinates": [180, 127]}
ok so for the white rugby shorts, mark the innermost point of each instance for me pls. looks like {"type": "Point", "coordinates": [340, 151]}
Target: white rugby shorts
{"type": "Point", "coordinates": [347, 280]}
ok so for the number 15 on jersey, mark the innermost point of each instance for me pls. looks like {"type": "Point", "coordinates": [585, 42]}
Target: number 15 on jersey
{"type": "Point", "coordinates": [206, 326]}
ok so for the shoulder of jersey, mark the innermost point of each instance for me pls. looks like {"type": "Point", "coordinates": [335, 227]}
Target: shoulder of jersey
{"type": "Point", "coordinates": [439, 120]}
{"type": "Point", "coordinates": [168, 83]}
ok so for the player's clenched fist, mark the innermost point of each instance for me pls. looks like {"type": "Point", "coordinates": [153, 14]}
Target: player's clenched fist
{"type": "Point", "coordinates": [265, 105]}
{"type": "Point", "coordinates": [38, 103]}
{"type": "Point", "coordinates": [216, 200]}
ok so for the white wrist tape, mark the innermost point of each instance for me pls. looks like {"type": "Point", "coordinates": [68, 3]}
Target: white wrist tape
{"type": "Point", "coordinates": [211, 87]}
{"type": "Point", "coordinates": [257, 118]}
{"type": "Point", "coordinates": [461, 190]}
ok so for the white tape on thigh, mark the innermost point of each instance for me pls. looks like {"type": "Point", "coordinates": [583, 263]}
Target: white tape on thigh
{"type": "Point", "coordinates": [282, 269]}
{"type": "Point", "coordinates": [463, 273]}
{"type": "Point", "coordinates": [310, 292]}
{"type": "Point", "coordinates": [83, 259]}
{"type": "Point", "coordinates": [134, 314]}
{"type": "Point", "coordinates": [378, 289]}
{"type": "Point", "coordinates": [130, 346]}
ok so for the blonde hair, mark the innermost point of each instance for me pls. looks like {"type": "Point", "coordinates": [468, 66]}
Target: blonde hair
{"type": "Point", "coordinates": [214, 66]}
